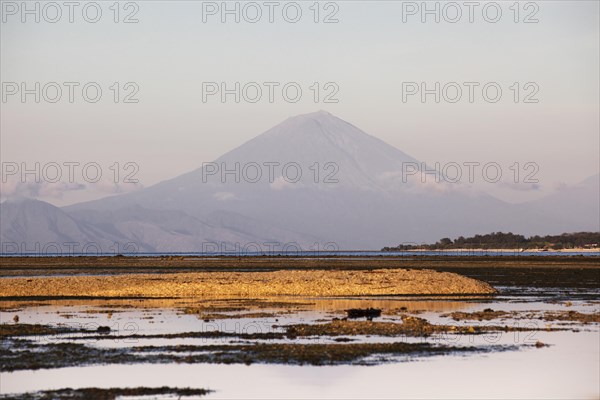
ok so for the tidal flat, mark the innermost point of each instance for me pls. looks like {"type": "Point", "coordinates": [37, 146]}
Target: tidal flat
{"type": "Point", "coordinates": [85, 343]}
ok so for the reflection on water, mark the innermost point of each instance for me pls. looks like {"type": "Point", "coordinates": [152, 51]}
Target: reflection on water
{"type": "Point", "coordinates": [526, 374]}
{"type": "Point", "coordinates": [569, 367]}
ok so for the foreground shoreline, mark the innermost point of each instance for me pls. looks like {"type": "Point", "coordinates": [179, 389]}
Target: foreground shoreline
{"type": "Point", "coordinates": [544, 311]}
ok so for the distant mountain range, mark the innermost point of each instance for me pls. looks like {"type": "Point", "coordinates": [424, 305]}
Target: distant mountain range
{"type": "Point", "coordinates": [313, 182]}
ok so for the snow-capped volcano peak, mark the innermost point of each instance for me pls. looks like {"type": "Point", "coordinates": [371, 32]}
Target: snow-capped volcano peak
{"type": "Point", "coordinates": [318, 122]}
{"type": "Point", "coordinates": [323, 138]}
{"type": "Point", "coordinates": [316, 114]}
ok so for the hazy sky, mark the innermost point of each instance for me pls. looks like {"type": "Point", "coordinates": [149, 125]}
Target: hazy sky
{"type": "Point", "coordinates": [367, 55]}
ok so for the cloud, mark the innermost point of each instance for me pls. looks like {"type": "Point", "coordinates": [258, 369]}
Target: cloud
{"type": "Point", "coordinates": [522, 187]}
{"type": "Point", "coordinates": [56, 190]}
{"type": "Point", "coordinates": [109, 187]}
{"type": "Point", "coordinates": [418, 182]}
{"type": "Point", "coordinates": [561, 186]}
{"type": "Point", "coordinates": [13, 188]}
{"type": "Point", "coordinates": [281, 184]}
{"type": "Point", "coordinates": [224, 196]}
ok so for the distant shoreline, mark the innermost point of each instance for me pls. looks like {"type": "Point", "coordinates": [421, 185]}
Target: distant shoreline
{"type": "Point", "coordinates": [467, 250]}
{"type": "Point", "coordinates": [463, 252]}
{"type": "Point", "coordinates": [110, 265]}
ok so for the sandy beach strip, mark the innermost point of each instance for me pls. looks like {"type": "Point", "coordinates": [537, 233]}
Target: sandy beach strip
{"type": "Point", "coordinates": [245, 284]}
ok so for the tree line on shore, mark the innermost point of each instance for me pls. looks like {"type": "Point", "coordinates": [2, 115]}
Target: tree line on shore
{"type": "Point", "coordinates": [500, 240]}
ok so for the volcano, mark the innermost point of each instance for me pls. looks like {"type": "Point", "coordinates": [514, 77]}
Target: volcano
{"type": "Point", "coordinates": [313, 180]}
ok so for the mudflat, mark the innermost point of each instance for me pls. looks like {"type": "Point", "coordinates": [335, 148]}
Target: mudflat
{"type": "Point", "coordinates": [234, 283]}
{"type": "Point", "coordinates": [515, 271]}
{"type": "Point", "coordinates": [62, 313]}
{"type": "Point", "coordinates": [14, 265]}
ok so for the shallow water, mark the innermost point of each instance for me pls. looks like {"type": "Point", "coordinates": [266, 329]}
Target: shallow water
{"type": "Point", "coordinates": [527, 374]}
{"type": "Point", "coordinates": [568, 367]}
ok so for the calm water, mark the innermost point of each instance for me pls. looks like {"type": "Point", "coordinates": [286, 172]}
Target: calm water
{"type": "Point", "coordinates": [568, 368]}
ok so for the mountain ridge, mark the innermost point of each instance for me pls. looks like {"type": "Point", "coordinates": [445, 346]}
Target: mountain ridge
{"type": "Point", "coordinates": [364, 205]}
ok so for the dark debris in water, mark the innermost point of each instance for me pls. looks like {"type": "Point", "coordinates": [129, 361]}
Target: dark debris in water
{"type": "Point", "coordinates": [411, 326]}
{"type": "Point", "coordinates": [11, 330]}
{"type": "Point", "coordinates": [22, 354]}
{"type": "Point", "coordinates": [302, 354]}
{"type": "Point", "coordinates": [572, 316]}
{"type": "Point", "coordinates": [549, 316]}
{"type": "Point", "coordinates": [368, 313]}
{"type": "Point", "coordinates": [486, 315]}
{"type": "Point", "coordinates": [107, 394]}
{"type": "Point", "coordinates": [103, 329]}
